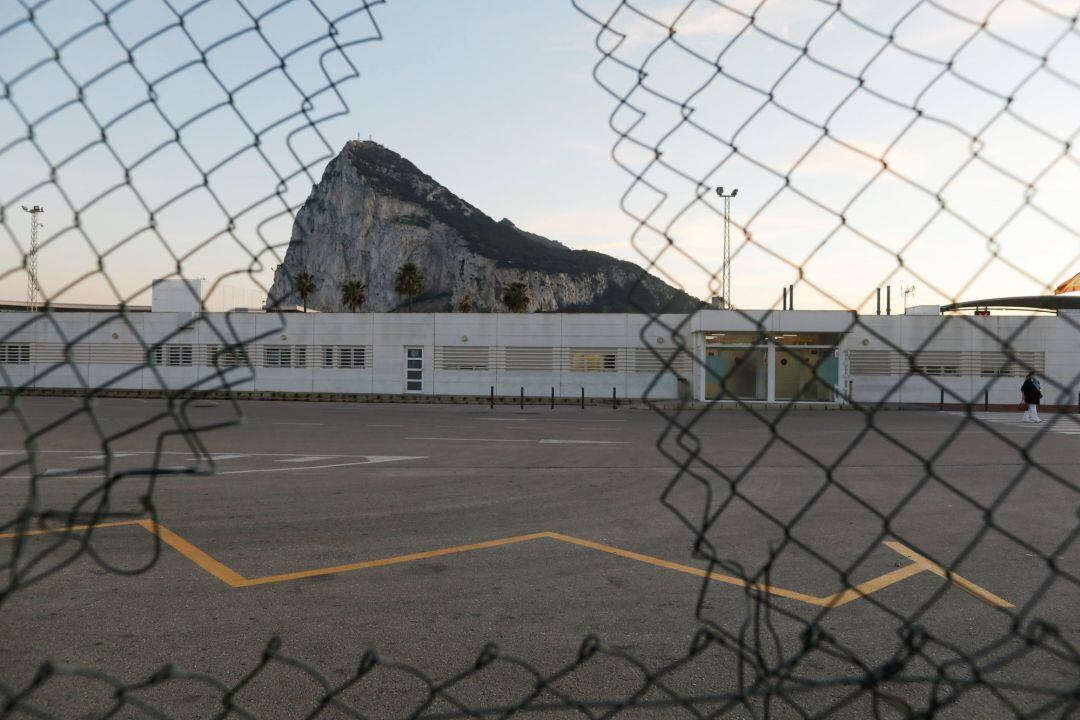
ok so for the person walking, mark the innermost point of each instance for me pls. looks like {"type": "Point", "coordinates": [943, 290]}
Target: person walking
{"type": "Point", "coordinates": [1032, 395]}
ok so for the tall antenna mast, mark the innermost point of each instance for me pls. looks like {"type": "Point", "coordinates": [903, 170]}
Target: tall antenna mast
{"type": "Point", "coordinates": [725, 269]}
{"type": "Point", "coordinates": [31, 258]}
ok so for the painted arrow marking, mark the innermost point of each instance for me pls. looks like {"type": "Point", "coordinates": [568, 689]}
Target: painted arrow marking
{"type": "Point", "coordinates": [235, 580]}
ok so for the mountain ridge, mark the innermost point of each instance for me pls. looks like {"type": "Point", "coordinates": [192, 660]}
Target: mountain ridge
{"type": "Point", "coordinates": [373, 210]}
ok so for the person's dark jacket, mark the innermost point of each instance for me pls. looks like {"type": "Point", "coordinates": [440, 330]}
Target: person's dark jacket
{"type": "Point", "coordinates": [1031, 394]}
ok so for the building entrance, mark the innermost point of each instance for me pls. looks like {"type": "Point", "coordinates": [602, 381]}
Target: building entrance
{"type": "Point", "coordinates": [804, 367]}
{"type": "Point", "coordinates": [807, 367]}
{"type": "Point", "coordinates": [736, 367]}
{"type": "Point", "coordinates": [414, 369]}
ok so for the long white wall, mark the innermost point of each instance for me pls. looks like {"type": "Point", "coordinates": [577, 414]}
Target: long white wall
{"type": "Point", "coordinates": [463, 354]}
{"type": "Point", "coordinates": [967, 355]}
{"type": "Point", "coordinates": [467, 354]}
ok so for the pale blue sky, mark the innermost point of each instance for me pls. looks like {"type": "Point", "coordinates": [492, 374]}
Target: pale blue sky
{"type": "Point", "coordinates": [496, 100]}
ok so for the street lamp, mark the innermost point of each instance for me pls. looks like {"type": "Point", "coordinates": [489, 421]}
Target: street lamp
{"type": "Point", "coordinates": [725, 269]}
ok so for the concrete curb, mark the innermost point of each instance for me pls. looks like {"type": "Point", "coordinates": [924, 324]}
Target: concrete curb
{"type": "Point", "coordinates": [513, 400]}
{"type": "Point", "coordinates": [499, 400]}
{"type": "Point", "coordinates": [482, 400]}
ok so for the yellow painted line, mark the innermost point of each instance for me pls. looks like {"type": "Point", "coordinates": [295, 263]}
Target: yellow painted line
{"type": "Point", "coordinates": [396, 560]}
{"type": "Point", "coordinates": [235, 580]}
{"type": "Point", "coordinates": [927, 564]}
{"type": "Point", "coordinates": [770, 589]}
{"type": "Point", "coordinates": [195, 555]}
{"type": "Point", "coordinates": [67, 528]}
{"type": "Point", "coordinates": [871, 586]}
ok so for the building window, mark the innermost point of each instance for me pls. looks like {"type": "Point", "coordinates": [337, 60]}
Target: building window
{"type": "Point", "coordinates": [593, 361]}
{"type": "Point", "coordinates": [456, 358]}
{"type": "Point", "coordinates": [528, 359]}
{"type": "Point", "coordinates": [328, 357]}
{"type": "Point", "coordinates": [226, 356]}
{"type": "Point", "coordinates": [352, 357]}
{"type": "Point", "coordinates": [172, 355]}
{"type": "Point", "coordinates": [15, 353]}
{"type": "Point", "coordinates": [277, 356]}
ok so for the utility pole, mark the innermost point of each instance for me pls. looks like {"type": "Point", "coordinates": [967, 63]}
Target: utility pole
{"type": "Point", "coordinates": [725, 269]}
{"type": "Point", "coordinates": [31, 259]}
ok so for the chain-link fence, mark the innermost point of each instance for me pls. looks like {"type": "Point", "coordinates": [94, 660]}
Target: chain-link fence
{"type": "Point", "coordinates": [923, 142]}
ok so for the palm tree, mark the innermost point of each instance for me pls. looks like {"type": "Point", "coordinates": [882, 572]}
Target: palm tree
{"type": "Point", "coordinates": [305, 286]}
{"type": "Point", "coordinates": [465, 304]}
{"type": "Point", "coordinates": [353, 294]}
{"type": "Point", "coordinates": [409, 281]}
{"type": "Point", "coordinates": [516, 297]}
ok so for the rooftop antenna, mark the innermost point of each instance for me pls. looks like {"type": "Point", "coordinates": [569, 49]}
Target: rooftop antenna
{"type": "Point", "coordinates": [907, 291]}
{"type": "Point", "coordinates": [725, 269]}
{"type": "Point", "coordinates": [31, 258]}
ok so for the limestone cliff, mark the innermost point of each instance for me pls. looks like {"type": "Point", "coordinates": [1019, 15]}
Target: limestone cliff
{"type": "Point", "coordinates": [373, 211]}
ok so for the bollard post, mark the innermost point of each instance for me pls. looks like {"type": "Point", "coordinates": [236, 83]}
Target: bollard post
{"type": "Point", "coordinates": [522, 398]}
{"type": "Point", "coordinates": [582, 398]}
{"type": "Point", "coordinates": [614, 400]}
{"type": "Point", "coordinates": [941, 400]}
{"type": "Point", "coordinates": [553, 397]}
{"type": "Point", "coordinates": [492, 397]}
{"type": "Point", "coordinates": [986, 400]}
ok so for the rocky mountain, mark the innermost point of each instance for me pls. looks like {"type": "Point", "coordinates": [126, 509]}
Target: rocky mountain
{"type": "Point", "coordinates": [373, 211]}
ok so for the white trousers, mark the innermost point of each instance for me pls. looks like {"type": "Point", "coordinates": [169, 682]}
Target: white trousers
{"type": "Point", "coordinates": [1032, 414]}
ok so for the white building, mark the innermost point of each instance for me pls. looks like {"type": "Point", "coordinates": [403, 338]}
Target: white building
{"type": "Point", "coordinates": [755, 356]}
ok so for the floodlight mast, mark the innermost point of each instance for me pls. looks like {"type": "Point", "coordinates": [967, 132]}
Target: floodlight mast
{"type": "Point", "coordinates": [725, 268]}
{"type": "Point", "coordinates": [32, 259]}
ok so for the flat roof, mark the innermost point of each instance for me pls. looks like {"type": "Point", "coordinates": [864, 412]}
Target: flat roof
{"type": "Point", "coordinates": [8, 306]}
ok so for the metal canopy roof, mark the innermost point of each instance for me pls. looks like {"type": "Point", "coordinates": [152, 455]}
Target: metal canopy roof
{"type": "Point", "coordinates": [1031, 302]}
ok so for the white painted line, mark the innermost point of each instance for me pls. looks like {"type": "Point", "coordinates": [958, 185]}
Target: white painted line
{"type": "Point", "coordinates": [547, 419]}
{"type": "Point", "coordinates": [102, 456]}
{"type": "Point", "coordinates": [458, 439]}
{"type": "Point", "coordinates": [1053, 424]}
{"type": "Point", "coordinates": [52, 472]}
{"type": "Point", "coordinates": [188, 453]}
{"type": "Point", "coordinates": [308, 458]}
{"type": "Point", "coordinates": [216, 458]}
{"type": "Point", "coordinates": [295, 423]}
{"type": "Point", "coordinates": [522, 440]}
{"type": "Point", "coordinates": [584, 442]}
{"type": "Point", "coordinates": [371, 460]}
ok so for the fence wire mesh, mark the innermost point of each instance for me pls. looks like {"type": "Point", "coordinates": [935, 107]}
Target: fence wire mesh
{"type": "Point", "coordinates": [908, 137]}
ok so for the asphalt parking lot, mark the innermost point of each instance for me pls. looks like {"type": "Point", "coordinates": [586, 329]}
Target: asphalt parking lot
{"type": "Point", "coordinates": [425, 532]}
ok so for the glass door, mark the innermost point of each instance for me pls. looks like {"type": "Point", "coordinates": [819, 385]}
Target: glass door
{"type": "Point", "coordinates": [807, 367]}
{"type": "Point", "coordinates": [414, 369]}
{"type": "Point", "coordinates": [736, 366]}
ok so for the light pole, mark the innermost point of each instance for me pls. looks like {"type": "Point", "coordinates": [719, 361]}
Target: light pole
{"type": "Point", "coordinates": [31, 259]}
{"type": "Point", "coordinates": [725, 269]}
